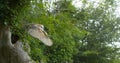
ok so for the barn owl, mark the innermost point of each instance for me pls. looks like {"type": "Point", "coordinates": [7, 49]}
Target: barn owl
{"type": "Point", "coordinates": [37, 31]}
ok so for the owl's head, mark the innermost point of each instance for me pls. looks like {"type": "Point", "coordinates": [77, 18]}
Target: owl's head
{"type": "Point", "coordinates": [39, 26]}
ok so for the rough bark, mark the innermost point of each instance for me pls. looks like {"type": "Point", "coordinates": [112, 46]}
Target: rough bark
{"type": "Point", "coordinates": [8, 52]}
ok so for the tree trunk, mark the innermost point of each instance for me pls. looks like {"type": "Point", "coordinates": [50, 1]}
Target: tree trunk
{"type": "Point", "coordinates": [8, 52]}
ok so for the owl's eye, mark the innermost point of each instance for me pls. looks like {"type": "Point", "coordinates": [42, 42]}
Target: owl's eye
{"type": "Point", "coordinates": [42, 26]}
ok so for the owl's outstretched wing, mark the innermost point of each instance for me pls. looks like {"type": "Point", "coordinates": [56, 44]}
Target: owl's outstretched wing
{"type": "Point", "coordinates": [38, 32]}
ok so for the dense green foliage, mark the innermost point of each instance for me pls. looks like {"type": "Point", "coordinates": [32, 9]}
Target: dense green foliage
{"type": "Point", "coordinates": [61, 30]}
{"type": "Point", "coordinates": [103, 28]}
{"type": "Point", "coordinates": [10, 10]}
{"type": "Point", "coordinates": [79, 35]}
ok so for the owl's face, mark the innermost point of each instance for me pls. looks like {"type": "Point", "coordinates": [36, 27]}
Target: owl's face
{"type": "Point", "coordinates": [39, 26]}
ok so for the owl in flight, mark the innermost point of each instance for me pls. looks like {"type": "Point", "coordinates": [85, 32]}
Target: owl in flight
{"type": "Point", "coordinates": [37, 31]}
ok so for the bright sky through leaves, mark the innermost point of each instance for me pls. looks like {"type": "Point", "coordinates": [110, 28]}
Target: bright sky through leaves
{"type": "Point", "coordinates": [78, 4]}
